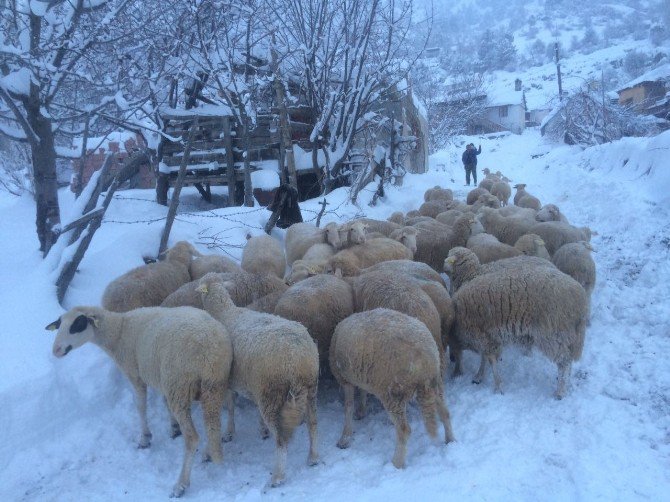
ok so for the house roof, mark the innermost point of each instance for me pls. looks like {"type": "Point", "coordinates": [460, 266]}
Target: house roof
{"type": "Point", "coordinates": [660, 73]}
{"type": "Point", "coordinates": [503, 97]}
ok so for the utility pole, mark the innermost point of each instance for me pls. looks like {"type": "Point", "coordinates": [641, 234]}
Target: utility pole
{"type": "Point", "coordinates": [558, 72]}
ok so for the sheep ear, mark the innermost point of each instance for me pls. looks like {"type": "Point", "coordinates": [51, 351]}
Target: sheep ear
{"type": "Point", "coordinates": [451, 260]}
{"type": "Point", "coordinates": [202, 288]}
{"type": "Point", "coordinates": [93, 320]}
{"type": "Point", "coordinates": [338, 273]}
{"type": "Point", "coordinates": [53, 326]}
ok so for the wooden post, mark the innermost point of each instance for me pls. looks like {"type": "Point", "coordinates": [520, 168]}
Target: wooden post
{"type": "Point", "coordinates": [174, 201]}
{"type": "Point", "coordinates": [93, 200]}
{"type": "Point", "coordinates": [558, 73]}
{"type": "Point", "coordinates": [323, 204]}
{"type": "Point", "coordinates": [230, 161]}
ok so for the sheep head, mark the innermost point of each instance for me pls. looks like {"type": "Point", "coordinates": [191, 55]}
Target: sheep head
{"type": "Point", "coordinates": [353, 233]}
{"type": "Point", "coordinates": [75, 328]}
{"type": "Point", "coordinates": [407, 237]}
{"type": "Point", "coordinates": [520, 186]}
{"type": "Point", "coordinates": [461, 265]}
{"type": "Point", "coordinates": [331, 235]}
{"type": "Point", "coordinates": [214, 291]}
{"type": "Point", "coordinates": [182, 252]}
{"type": "Point", "coordinates": [301, 270]}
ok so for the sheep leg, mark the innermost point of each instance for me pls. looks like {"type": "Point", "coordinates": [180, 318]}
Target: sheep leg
{"type": "Point", "coordinates": [272, 417]}
{"type": "Point", "coordinates": [361, 405]}
{"type": "Point", "coordinates": [183, 416]}
{"type": "Point", "coordinates": [347, 432]}
{"type": "Point", "coordinates": [564, 370]}
{"type": "Point", "coordinates": [175, 431]}
{"type": "Point", "coordinates": [230, 428]}
{"type": "Point", "coordinates": [481, 372]}
{"type": "Point", "coordinates": [426, 399]}
{"type": "Point", "coordinates": [141, 402]}
{"type": "Point", "coordinates": [212, 399]}
{"type": "Point", "coordinates": [443, 412]}
{"type": "Point", "coordinates": [497, 380]}
{"type": "Point", "coordinates": [263, 428]}
{"type": "Point", "coordinates": [397, 412]}
{"type": "Point", "coordinates": [456, 356]}
{"type": "Point", "coordinates": [313, 457]}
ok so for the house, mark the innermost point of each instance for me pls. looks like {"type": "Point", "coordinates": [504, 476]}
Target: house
{"type": "Point", "coordinates": [505, 109]}
{"type": "Point", "coordinates": [649, 94]}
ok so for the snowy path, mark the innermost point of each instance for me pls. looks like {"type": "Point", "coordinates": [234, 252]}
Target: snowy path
{"type": "Point", "coordinates": [69, 426]}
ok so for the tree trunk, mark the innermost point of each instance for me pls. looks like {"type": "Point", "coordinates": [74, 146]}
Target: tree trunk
{"type": "Point", "coordinates": [47, 219]}
{"type": "Point", "coordinates": [248, 188]}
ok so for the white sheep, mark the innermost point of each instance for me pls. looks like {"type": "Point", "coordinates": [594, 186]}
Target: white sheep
{"type": "Point", "coordinates": [575, 260]}
{"type": "Point", "coordinates": [433, 207]}
{"type": "Point", "coordinates": [203, 265]}
{"type": "Point", "coordinates": [449, 217]}
{"type": "Point", "coordinates": [244, 288]}
{"type": "Point", "coordinates": [530, 306]}
{"type": "Point", "coordinates": [550, 212]}
{"type": "Point", "coordinates": [524, 199]}
{"type": "Point", "coordinates": [532, 245]}
{"type": "Point", "coordinates": [276, 364]}
{"type": "Point", "coordinates": [397, 217]}
{"type": "Point", "coordinates": [318, 303]}
{"type": "Point", "coordinates": [488, 248]}
{"type": "Point", "coordinates": [517, 212]}
{"type": "Point", "coordinates": [434, 240]}
{"type": "Point", "coordinates": [555, 234]}
{"type": "Point", "coordinates": [301, 236]}
{"type": "Point", "coordinates": [183, 353]}
{"type": "Point", "coordinates": [352, 233]}
{"type": "Point", "coordinates": [263, 255]}
{"type": "Point", "coordinates": [384, 227]}
{"type": "Point", "coordinates": [350, 261]}
{"type": "Point", "coordinates": [501, 190]}
{"type": "Point", "coordinates": [438, 193]}
{"type": "Point", "coordinates": [474, 194]}
{"type": "Point", "coordinates": [148, 285]}
{"type": "Point", "coordinates": [505, 229]}
{"type": "Point", "coordinates": [393, 356]}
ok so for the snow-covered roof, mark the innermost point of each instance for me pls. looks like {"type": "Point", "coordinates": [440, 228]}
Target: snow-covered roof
{"type": "Point", "coordinates": [660, 73]}
{"type": "Point", "coordinates": [103, 142]}
{"type": "Point", "coordinates": [204, 110]}
{"type": "Point", "coordinates": [497, 96]}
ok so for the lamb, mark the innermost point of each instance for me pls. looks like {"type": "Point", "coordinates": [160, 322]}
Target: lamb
{"type": "Point", "coordinates": [555, 234]}
{"type": "Point", "coordinates": [488, 248]}
{"type": "Point", "coordinates": [392, 356]}
{"type": "Point", "coordinates": [350, 261]}
{"type": "Point", "coordinates": [506, 230]}
{"type": "Point", "coordinates": [263, 254]}
{"type": "Point", "coordinates": [183, 353]}
{"type": "Point", "coordinates": [148, 285]}
{"type": "Point", "coordinates": [501, 190]}
{"type": "Point", "coordinates": [301, 236]}
{"type": "Point", "coordinates": [205, 264]}
{"type": "Point", "coordinates": [432, 208]}
{"type": "Point", "coordinates": [474, 194]}
{"type": "Point", "coordinates": [434, 240]}
{"type": "Point", "coordinates": [318, 303]}
{"type": "Point", "coordinates": [244, 288]}
{"type": "Point", "coordinates": [531, 306]}
{"type": "Point", "coordinates": [532, 245]}
{"type": "Point", "coordinates": [438, 193]}
{"type": "Point", "coordinates": [575, 260]}
{"type": "Point", "coordinates": [382, 289]}
{"type": "Point", "coordinates": [276, 364]}
{"type": "Point", "coordinates": [550, 212]}
{"type": "Point", "coordinates": [524, 199]}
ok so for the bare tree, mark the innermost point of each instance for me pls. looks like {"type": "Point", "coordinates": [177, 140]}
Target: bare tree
{"type": "Point", "coordinates": [47, 57]}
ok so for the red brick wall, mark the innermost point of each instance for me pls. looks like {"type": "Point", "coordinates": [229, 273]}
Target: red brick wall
{"type": "Point", "coordinates": [94, 160]}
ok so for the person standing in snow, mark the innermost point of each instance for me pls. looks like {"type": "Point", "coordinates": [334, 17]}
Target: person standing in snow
{"type": "Point", "coordinates": [470, 162]}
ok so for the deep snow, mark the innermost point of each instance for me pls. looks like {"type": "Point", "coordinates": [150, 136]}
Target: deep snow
{"type": "Point", "coordinates": [69, 426]}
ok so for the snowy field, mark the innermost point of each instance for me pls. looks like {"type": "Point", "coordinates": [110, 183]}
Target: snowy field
{"type": "Point", "coordinates": [69, 427]}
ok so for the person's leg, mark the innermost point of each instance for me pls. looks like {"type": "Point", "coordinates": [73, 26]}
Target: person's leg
{"type": "Point", "coordinates": [467, 175]}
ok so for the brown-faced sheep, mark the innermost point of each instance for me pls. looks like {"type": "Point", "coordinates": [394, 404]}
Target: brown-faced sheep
{"type": "Point", "coordinates": [392, 356]}
{"type": "Point", "coordinates": [275, 363]}
{"type": "Point", "coordinates": [263, 255]}
{"type": "Point", "coordinates": [530, 306]}
{"type": "Point", "coordinates": [148, 285]}
{"type": "Point", "coordinates": [183, 353]}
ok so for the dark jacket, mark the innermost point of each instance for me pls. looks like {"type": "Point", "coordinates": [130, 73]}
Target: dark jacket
{"type": "Point", "coordinates": [470, 156]}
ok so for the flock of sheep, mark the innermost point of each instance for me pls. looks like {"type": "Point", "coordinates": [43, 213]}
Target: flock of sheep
{"type": "Point", "coordinates": [364, 302]}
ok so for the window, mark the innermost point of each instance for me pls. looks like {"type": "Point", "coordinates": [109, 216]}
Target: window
{"type": "Point", "coordinates": [503, 111]}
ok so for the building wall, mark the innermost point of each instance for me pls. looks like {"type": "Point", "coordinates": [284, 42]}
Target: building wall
{"type": "Point", "coordinates": [642, 95]}
{"type": "Point", "coordinates": [512, 117]}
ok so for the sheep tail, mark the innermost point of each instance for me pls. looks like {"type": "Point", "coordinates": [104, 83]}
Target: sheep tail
{"type": "Point", "coordinates": [292, 412]}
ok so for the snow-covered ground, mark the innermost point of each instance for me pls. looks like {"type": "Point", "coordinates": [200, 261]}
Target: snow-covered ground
{"type": "Point", "coordinates": [69, 426]}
